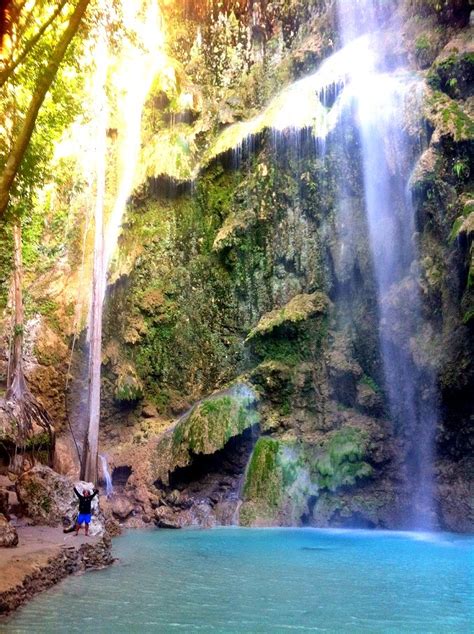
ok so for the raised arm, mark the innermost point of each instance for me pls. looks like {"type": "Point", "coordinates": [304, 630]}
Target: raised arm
{"type": "Point", "coordinates": [77, 493]}
{"type": "Point", "coordinates": [95, 493]}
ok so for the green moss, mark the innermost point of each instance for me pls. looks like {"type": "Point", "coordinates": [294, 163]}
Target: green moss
{"type": "Point", "coordinates": [369, 381]}
{"type": "Point", "coordinates": [422, 43]}
{"type": "Point", "coordinates": [212, 423]}
{"type": "Point", "coordinates": [468, 317]}
{"type": "Point", "coordinates": [340, 462]}
{"type": "Point", "coordinates": [128, 389]}
{"type": "Point", "coordinates": [449, 117]}
{"type": "Point", "coordinates": [181, 325]}
{"type": "Point", "coordinates": [264, 477]}
{"type": "Point", "coordinates": [40, 440]}
{"type": "Point", "coordinates": [300, 308]}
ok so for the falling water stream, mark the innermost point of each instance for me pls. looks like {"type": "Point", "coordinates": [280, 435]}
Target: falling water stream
{"type": "Point", "coordinates": [358, 84]}
{"type": "Point", "coordinates": [129, 76]}
{"type": "Point", "coordinates": [379, 100]}
{"type": "Point", "coordinates": [364, 86]}
{"type": "Point", "coordinates": [109, 488]}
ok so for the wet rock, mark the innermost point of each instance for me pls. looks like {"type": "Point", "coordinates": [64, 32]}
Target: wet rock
{"type": "Point", "coordinates": [368, 400]}
{"type": "Point", "coordinates": [206, 429]}
{"type": "Point", "coordinates": [344, 372]}
{"type": "Point", "coordinates": [226, 512]}
{"type": "Point", "coordinates": [166, 517]}
{"type": "Point", "coordinates": [141, 495]}
{"type": "Point", "coordinates": [204, 516]}
{"type": "Point", "coordinates": [122, 507]}
{"type": "Point", "coordinates": [8, 534]}
{"type": "Point", "coordinates": [146, 518]}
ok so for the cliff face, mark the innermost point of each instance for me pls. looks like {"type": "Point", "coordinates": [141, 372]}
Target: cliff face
{"type": "Point", "coordinates": [245, 278]}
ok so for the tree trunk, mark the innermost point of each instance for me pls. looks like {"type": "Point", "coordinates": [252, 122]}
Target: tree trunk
{"type": "Point", "coordinates": [17, 385]}
{"type": "Point", "coordinates": [45, 80]}
{"type": "Point", "coordinates": [23, 407]}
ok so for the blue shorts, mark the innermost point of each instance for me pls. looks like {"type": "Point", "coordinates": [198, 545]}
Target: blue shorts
{"type": "Point", "coordinates": [84, 518]}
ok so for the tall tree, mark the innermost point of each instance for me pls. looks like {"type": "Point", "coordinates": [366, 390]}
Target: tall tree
{"type": "Point", "coordinates": [45, 80]}
{"type": "Point", "coordinates": [25, 410]}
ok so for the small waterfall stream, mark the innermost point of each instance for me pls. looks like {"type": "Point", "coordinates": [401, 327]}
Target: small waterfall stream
{"type": "Point", "coordinates": [109, 488]}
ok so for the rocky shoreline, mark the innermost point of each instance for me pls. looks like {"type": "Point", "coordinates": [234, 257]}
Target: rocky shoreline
{"type": "Point", "coordinates": [45, 557]}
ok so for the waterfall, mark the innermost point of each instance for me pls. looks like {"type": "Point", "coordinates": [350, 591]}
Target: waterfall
{"type": "Point", "coordinates": [91, 441]}
{"type": "Point", "coordinates": [128, 76]}
{"type": "Point", "coordinates": [378, 101]}
{"type": "Point", "coordinates": [109, 488]}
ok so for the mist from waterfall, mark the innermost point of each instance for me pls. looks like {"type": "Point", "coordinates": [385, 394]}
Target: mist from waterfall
{"type": "Point", "coordinates": [379, 104]}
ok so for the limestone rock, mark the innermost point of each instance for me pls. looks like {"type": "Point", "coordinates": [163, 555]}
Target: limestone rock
{"type": "Point", "coordinates": [206, 429]}
{"type": "Point", "coordinates": [48, 498]}
{"type": "Point", "coordinates": [368, 400]}
{"type": "Point", "coordinates": [168, 518]}
{"type": "Point", "coordinates": [149, 411]}
{"type": "Point", "coordinates": [300, 308]}
{"type": "Point", "coordinates": [343, 370]}
{"type": "Point", "coordinates": [66, 461]}
{"type": "Point", "coordinates": [8, 534]}
{"type": "Point", "coordinates": [122, 507]}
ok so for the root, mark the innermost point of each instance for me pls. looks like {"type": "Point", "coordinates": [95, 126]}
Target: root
{"type": "Point", "coordinates": [26, 413]}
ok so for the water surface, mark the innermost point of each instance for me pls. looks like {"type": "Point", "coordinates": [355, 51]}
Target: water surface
{"type": "Point", "coordinates": [266, 580]}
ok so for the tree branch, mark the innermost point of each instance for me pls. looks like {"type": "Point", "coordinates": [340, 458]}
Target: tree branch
{"type": "Point", "coordinates": [42, 87]}
{"type": "Point", "coordinates": [6, 72]}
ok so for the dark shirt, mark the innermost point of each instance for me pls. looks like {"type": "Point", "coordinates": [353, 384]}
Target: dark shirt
{"type": "Point", "coordinates": [85, 502]}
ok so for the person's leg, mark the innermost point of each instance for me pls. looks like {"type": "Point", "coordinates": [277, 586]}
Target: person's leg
{"type": "Point", "coordinates": [86, 528]}
{"type": "Point", "coordinates": [79, 521]}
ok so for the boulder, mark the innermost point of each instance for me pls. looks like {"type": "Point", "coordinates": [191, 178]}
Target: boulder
{"type": "Point", "coordinates": [149, 411]}
{"type": "Point", "coordinates": [368, 400]}
{"type": "Point", "coordinates": [4, 497]}
{"type": "Point", "coordinates": [8, 534]}
{"type": "Point", "coordinates": [166, 517]}
{"type": "Point", "coordinates": [48, 498]}
{"type": "Point", "coordinates": [122, 507]}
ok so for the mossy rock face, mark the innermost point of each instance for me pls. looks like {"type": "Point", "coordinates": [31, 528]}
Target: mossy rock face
{"type": "Point", "coordinates": [277, 484]}
{"type": "Point", "coordinates": [264, 479]}
{"type": "Point", "coordinates": [341, 461]}
{"type": "Point", "coordinates": [453, 70]}
{"type": "Point", "coordinates": [207, 428]}
{"type": "Point", "coordinates": [292, 334]}
{"type": "Point", "coordinates": [128, 389]}
{"type": "Point", "coordinates": [275, 379]}
{"type": "Point", "coordinates": [212, 423]}
{"type": "Point", "coordinates": [451, 119]}
{"type": "Point", "coordinates": [299, 309]}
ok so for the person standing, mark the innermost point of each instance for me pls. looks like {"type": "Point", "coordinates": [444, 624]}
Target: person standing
{"type": "Point", "coordinates": [85, 512]}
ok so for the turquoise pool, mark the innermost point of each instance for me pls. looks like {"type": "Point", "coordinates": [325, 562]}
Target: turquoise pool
{"type": "Point", "coordinates": [266, 580]}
